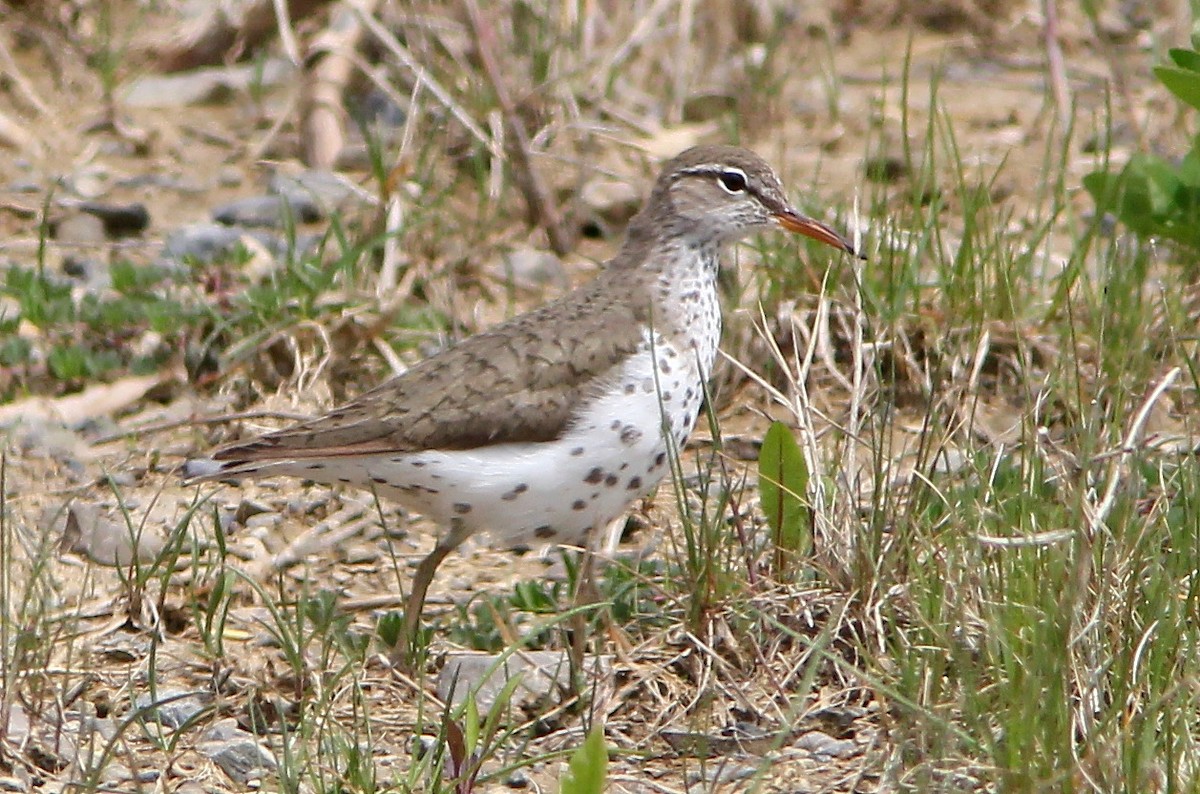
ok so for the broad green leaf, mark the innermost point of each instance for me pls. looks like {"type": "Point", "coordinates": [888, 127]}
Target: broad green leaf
{"type": "Point", "coordinates": [589, 764]}
{"type": "Point", "coordinates": [1183, 83]}
{"type": "Point", "coordinates": [783, 489]}
{"type": "Point", "coordinates": [1189, 170]}
{"type": "Point", "coordinates": [1153, 197]}
{"type": "Point", "coordinates": [1185, 59]}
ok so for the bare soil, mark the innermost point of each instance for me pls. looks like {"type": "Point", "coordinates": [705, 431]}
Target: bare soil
{"type": "Point", "coordinates": [837, 107]}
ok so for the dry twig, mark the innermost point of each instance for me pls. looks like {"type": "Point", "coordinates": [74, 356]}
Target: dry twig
{"type": "Point", "coordinates": [325, 85]}
{"type": "Point", "coordinates": [214, 38]}
{"type": "Point", "coordinates": [542, 211]}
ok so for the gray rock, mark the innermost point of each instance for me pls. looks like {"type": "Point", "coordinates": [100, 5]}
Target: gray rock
{"type": "Point", "coordinates": [162, 181]}
{"type": "Point", "coordinates": [172, 707]}
{"type": "Point", "coordinates": [176, 90]}
{"type": "Point", "coordinates": [359, 554]}
{"type": "Point", "coordinates": [376, 108]}
{"type": "Point", "coordinates": [823, 745]}
{"type": "Point", "coordinates": [284, 248]}
{"type": "Point", "coordinates": [115, 773]}
{"type": "Point", "coordinates": [223, 731]}
{"type": "Point", "coordinates": [328, 189]}
{"type": "Point", "coordinates": [120, 220]}
{"type": "Point", "coordinates": [230, 176]}
{"type": "Point", "coordinates": [249, 507]}
{"type": "Point", "coordinates": [79, 228]}
{"type": "Point", "coordinates": [517, 780]}
{"type": "Point", "coordinates": [268, 211]}
{"type": "Point", "coordinates": [541, 672]}
{"type": "Point", "coordinates": [88, 182]}
{"type": "Point", "coordinates": [92, 272]}
{"type": "Point", "coordinates": [201, 242]}
{"type": "Point", "coordinates": [237, 752]}
{"type": "Point", "coordinates": [40, 437]}
{"type": "Point", "coordinates": [531, 268]}
{"type": "Point", "coordinates": [202, 86]}
{"type": "Point", "coordinates": [89, 531]}
{"type": "Point", "coordinates": [17, 729]}
{"type": "Point", "coordinates": [722, 773]}
{"type": "Point", "coordinates": [147, 775]}
{"type": "Point", "coordinates": [264, 521]}
{"type": "Point", "coordinates": [614, 200]}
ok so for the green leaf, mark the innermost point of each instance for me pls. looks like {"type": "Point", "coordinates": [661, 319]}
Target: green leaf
{"type": "Point", "coordinates": [1153, 197]}
{"type": "Point", "coordinates": [783, 488]}
{"type": "Point", "coordinates": [1185, 59]}
{"type": "Point", "coordinates": [1183, 83]}
{"type": "Point", "coordinates": [585, 774]}
{"type": "Point", "coordinates": [471, 720]}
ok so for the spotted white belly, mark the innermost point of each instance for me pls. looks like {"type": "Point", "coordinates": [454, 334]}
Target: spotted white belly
{"type": "Point", "coordinates": [614, 452]}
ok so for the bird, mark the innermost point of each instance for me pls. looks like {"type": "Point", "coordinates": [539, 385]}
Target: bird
{"type": "Point", "coordinates": [547, 427]}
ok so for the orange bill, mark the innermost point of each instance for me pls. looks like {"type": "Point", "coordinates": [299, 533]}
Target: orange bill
{"type": "Point", "coordinates": [795, 222]}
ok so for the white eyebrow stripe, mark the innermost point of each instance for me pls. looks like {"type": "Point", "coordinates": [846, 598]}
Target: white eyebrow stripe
{"type": "Point", "coordinates": [712, 168]}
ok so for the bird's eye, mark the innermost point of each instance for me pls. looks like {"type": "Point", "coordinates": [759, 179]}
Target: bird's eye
{"type": "Point", "coordinates": [733, 181]}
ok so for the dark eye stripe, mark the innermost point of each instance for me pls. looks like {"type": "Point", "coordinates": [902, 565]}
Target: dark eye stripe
{"type": "Point", "coordinates": [731, 178]}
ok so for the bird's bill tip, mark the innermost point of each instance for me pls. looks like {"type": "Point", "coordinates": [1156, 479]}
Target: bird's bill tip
{"type": "Point", "coordinates": [795, 222]}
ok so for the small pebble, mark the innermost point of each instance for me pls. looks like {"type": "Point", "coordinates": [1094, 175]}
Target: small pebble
{"type": "Point", "coordinates": [230, 176]}
{"type": "Point", "coordinates": [327, 188]}
{"type": "Point", "coordinates": [201, 242]}
{"type": "Point", "coordinates": [120, 220]}
{"type": "Point", "coordinates": [79, 229]}
{"type": "Point", "coordinates": [268, 211]}
{"type": "Point", "coordinates": [517, 779]}
{"type": "Point", "coordinates": [822, 744]}
{"type": "Point", "coordinates": [172, 707]}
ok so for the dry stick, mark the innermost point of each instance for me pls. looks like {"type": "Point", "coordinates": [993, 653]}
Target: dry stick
{"type": "Point", "coordinates": [210, 43]}
{"type": "Point", "coordinates": [1100, 514]}
{"type": "Point", "coordinates": [542, 211]}
{"type": "Point", "coordinates": [393, 45]}
{"type": "Point", "coordinates": [685, 36]}
{"type": "Point", "coordinates": [393, 217]}
{"type": "Point", "coordinates": [324, 117]}
{"type": "Point", "coordinates": [1117, 71]}
{"type": "Point", "coordinates": [259, 149]}
{"type": "Point", "coordinates": [1055, 63]}
{"type": "Point", "coordinates": [287, 36]}
{"type": "Point", "coordinates": [15, 136]}
{"type": "Point", "coordinates": [25, 89]}
{"type": "Point", "coordinates": [859, 369]}
{"type": "Point", "coordinates": [648, 25]}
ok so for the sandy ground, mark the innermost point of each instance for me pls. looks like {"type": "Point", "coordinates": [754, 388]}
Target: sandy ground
{"type": "Point", "coordinates": [992, 88]}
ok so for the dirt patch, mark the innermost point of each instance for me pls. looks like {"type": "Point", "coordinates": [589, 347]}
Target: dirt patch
{"type": "Point", "coordinates": [817, 105]}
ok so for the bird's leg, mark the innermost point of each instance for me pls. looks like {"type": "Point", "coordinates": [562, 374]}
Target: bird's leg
{"type": "Point", "coordinates": [405, 652]}
{"type": "Point", "coordinates": [586, 595]}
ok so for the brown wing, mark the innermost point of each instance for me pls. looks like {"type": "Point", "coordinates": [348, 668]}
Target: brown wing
{"type": "Point", "coordinates": [521, 381]}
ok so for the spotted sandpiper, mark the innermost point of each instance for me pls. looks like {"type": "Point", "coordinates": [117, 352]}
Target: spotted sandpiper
{"type": "Point", "coordinates": [550, 425]}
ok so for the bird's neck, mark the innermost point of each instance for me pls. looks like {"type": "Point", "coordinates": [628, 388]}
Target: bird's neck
{"type": "Point", "coordinates": [671, 280]}
{"type": "Point", "coordinates": [669, 246]}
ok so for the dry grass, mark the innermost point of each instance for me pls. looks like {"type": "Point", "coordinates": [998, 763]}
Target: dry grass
{"type": "Point", "coordinates": [998, 410]}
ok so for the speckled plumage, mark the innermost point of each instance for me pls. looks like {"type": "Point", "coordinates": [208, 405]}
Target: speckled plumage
{"type": "Point", "coordinates": [552, 423]}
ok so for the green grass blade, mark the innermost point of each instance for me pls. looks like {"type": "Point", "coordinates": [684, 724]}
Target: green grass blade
{"type": "Point", "coordinates": [585, 774]}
